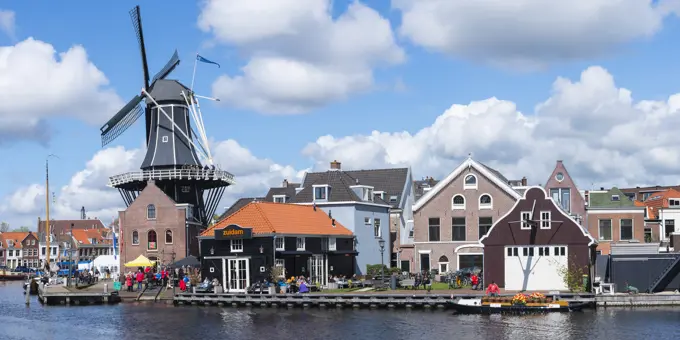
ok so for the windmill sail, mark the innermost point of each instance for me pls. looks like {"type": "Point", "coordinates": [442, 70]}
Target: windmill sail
{"type": "Point", "coordinates": [122, 120]}
{"type": "Point", "coordinates": [169, 66]}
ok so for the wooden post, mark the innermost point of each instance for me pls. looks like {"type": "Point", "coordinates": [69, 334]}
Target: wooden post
{"type": "Point", "coordinates": [28, 296]}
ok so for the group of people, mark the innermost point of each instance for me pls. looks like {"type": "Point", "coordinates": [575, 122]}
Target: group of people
{"type": "Point", "coordinates": [293, 285]}
{"type": "Point", "coordinates": [150, 276]}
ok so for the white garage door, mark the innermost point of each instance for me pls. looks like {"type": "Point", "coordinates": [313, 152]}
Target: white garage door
{"type": "Point", "coordinates": [535, 268]}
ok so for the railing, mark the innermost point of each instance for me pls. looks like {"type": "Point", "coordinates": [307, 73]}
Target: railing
{"type": "Point", "coordinates": [145, 175]}
{"type": "Point", "coordinates": [666, 276]}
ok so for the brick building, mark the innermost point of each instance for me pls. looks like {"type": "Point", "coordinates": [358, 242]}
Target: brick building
{"type": "Point", "coordinates": [156, 227]}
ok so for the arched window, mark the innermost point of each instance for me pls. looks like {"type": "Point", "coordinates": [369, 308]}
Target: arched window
{"type": "Point", "coordinates": [135, 237]}
{"type": "Point", "coordinates": [485, 201]}
{"type": "Point", "coordinates": [470, 182]}
{"type": "Point", "coordinates": [443, 264]}
{"type": "Point", "coordinates": [168, 237]}
{"type": "Point", "coordinates": [151, 212]}
{"type": "Point", "coordinates": [458, 202]}
{"type": "Point", "coordinates": [152, 240]}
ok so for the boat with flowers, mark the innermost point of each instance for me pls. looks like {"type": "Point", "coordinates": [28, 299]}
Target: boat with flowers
{"type": "Point", "coordinates": [518, 304]}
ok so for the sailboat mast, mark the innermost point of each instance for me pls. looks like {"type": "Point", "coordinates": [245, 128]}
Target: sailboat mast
{"type": "Point", "coordinates": [47, 212]}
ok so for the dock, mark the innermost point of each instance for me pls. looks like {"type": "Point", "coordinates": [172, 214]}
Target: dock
{"type": "Point", "coordinates": [372, 301]}
{"type": "Point", "coordinates": [60, 295]}
{"type": "Point", "coordinates": [638, 300]}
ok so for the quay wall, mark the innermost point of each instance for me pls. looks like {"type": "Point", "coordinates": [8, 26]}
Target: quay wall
{"type": "Point", "coordinates": [637, 300]}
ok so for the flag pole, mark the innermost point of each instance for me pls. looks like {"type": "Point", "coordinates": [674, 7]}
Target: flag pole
{"type": "Point", "coordinates": [193, 76]}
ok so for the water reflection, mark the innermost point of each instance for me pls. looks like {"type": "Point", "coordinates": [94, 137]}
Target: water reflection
{"type": "Point", "coordinates": [158, 321]}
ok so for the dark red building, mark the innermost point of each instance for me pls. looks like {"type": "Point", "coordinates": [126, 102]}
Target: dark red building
{"type": "Point", "coordinates": [531, 247]}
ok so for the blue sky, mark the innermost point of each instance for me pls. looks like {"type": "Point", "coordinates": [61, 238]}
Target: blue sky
{"type": "Point", "coordinates": [432, 81]}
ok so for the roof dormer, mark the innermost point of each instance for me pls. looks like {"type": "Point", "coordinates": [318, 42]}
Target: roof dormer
{"type": "Point", "coordinates": [364, 192]}
{"type": "Point", "coordinates": [321, 192]}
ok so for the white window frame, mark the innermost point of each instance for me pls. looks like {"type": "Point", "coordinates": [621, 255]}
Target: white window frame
{"type": "Point", "coordinates": [376, 228]}
{"type": "Point", "coordinates": [616, 198]}
{"type": "Point", "coordinates": [332, 244]}
{"type": "Point", "coordinates": [281, 197]}
{"type": "Point", "coordinates": [281, 246]}
{"type": "Point", "coordinates": [381, 194]}
{"type": "Point", "coordinates": [298, 243]}
{"type": "Point", "coordinates": [367, 221]}
{"type": "Point", "coordinates": [467, 186]}
{"type": "Point", "coordinates": [155, 212]}
{"type": "Point", "coordinates": [525, 215]}
{"type": "Point", "coordinates": [455, 206]}
{"type": "Point", "coordinates": [546, 221]}
{"type": "Point", "coordinates": [599, 229]}
{"type": "Point", "coordinates": [281, 263]}
{"type": "Point", "coordinates": [439, 267]}
{"type": "Point", "coordinates": [165, 139]}
{"type": "Point", "coordinates": [632, 229]}
{"type": "Point", "coordinates": [236, 246]}
{"type": "Point", "coordinates": [485, 206]}
{"type": "Point", "coordinates": [317, 186]}
{"type": "Point", "coordinates": [677, 200]}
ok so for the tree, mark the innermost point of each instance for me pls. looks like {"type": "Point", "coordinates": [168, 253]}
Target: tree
{"type": "Point", "coordinates": [4, 226]}
{"type": "Point", "coordinates": [21, 229]}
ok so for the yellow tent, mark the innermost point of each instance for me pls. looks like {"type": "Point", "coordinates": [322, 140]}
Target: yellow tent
{"type": "Point", "coordinates": [140, 261]}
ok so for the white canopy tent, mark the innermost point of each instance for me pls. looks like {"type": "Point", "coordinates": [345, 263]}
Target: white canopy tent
{"type": "Point", "coordinates": [110, 262]}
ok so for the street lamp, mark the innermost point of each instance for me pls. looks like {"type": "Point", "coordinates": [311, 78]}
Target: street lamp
{"type": "Point", "coordinates": [70, 258]}
{"type": "Point", "coordinates": [173, 276]}
{"type": "Point", "coordinates": [381, 243]}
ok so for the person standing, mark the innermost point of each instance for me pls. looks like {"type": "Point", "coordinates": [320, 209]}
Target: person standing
{"type": "Point", "coordinates": [140, 279]}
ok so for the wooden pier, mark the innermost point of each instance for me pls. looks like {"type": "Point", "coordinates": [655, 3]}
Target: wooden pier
{"type": "Point", "coordinates": [59, 295]}
{"type": "Point", "coordinates": [638, 300]}
{"type": "Point", "coordinates": [373, 301]}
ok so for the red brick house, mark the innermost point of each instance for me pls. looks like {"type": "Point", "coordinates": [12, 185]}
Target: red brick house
{"type": "Point", "coordinates": [157, 227]}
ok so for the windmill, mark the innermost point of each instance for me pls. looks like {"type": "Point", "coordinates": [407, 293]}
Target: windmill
{"type": "Point", "coordinates": [533, 223]}
{"type": "Point", "coordinates": [178, 158]}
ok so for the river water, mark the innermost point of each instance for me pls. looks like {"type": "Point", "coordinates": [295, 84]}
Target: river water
{"type": "Point", "coordinates": [159, 321]}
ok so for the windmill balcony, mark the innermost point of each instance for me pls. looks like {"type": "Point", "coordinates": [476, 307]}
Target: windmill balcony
{"type": "Point", "coordinates": [169, 174]}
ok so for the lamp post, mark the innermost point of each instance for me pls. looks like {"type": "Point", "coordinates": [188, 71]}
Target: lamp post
{"type": "Point", "coordinates": [172, 255]}
{"type": "Point", "coordinates": [70, 257]}
{"type": "Point", "coordinates": [381, 243]}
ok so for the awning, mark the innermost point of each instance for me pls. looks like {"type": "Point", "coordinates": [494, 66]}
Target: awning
{"type": "Point", "coordinates": [140, 261]}
{"type": "Point", "coordinates": [189, 261]}
{"type": "Point", "coordinates": [344, 252]}
{"type": "Point", "coordinates": [294, 252]}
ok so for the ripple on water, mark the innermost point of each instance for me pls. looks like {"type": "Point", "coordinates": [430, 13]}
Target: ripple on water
{"type": "Point", "coordinates": [147, 321]}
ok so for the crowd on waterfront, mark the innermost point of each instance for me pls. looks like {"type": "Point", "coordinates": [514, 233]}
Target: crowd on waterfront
{"type": "Point", "coordinates": [184, 277]}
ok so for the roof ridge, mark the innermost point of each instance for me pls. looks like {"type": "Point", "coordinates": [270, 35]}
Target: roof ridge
{"type": "Point", "coordinates": [264, 215]}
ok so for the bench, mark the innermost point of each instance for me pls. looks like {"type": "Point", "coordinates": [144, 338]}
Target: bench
{"type": "Point", "coordinates": [407, 283]}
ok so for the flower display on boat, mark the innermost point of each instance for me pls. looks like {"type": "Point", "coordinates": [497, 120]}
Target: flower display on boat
{"type": "Point", "coordinates": [537, 296]}
{"type": "Point", "coordinates": [519, 299]}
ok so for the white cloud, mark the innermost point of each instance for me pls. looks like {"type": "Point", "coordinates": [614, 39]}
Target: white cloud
{"type": "Point", "coordinates": [87, 188]}
{"type": "Point", "coordinates": [300, 56]}
{"type": "Point", "coordinates": [529, 33]}
{"type": "Point", "coordinates": [36, 84]}
{"type": "Point", "coordinates": [602, 134]}
{"type": "Point", "coordinates": [7, 22]}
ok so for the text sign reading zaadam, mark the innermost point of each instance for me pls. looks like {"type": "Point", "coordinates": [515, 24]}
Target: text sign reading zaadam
{"type": "Point", "coordinates": [233, 232]}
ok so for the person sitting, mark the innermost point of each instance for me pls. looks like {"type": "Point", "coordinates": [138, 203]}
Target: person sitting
{"type": "Point", "coordinates": [630, 289]}
{"type": "Point", "coordinates": [475, 281]}
{"type": "Point", "coordinates": [492, 290]}
{"type": "Point", "coordinates": [303, 287]}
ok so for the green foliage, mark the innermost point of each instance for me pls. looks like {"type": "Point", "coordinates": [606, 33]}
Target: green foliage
{"type": "Point", "coordinates": [573, 277]}
{"type": "Point", "coordinates": [375, 269]}
{"type": "Point", "coordinates": [4, 226]}
{"type": "Point", "coordinates": [22, 229]}
{"type": "Point", "coordinates": [395, 270]}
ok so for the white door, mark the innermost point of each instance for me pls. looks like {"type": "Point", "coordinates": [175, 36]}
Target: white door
{"type": "Point", "coordinates": [317, 269]}
{"type": "Point", "coordinates": [535, 268]}
{"type": "Point", "coordinates": [238, 275]}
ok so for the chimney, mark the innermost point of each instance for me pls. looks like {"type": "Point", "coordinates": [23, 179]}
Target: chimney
{"type": "Point", "coordinates": [285, 183]}
{"type": "Point", "coordinates": [524, 181]}
{"type": "Point", "coordinates": [335, 165]}
{"type": "Point", "coordinates": [602, 188]}
{"type": "Point", "coordinates": [333, 223]}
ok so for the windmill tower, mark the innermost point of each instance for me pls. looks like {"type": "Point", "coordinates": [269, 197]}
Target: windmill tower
{"type": "Point", "coordinates": [178, 157]}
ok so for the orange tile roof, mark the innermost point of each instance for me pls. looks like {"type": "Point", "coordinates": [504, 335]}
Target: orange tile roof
{"type": "Point", "coordinates": [659, 201]}
{"type": "Point", "coordinates": [15, 236]}
{"type": "Point", "coordinates": [281, 218]}
{"type": "Point", "coordinates": [83, 236]}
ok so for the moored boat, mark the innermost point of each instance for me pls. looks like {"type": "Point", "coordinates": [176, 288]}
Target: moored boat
{"type": "Point", "coordinates": [11, 276]}
{"type": "Point", "coordinates": [517, 305]}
